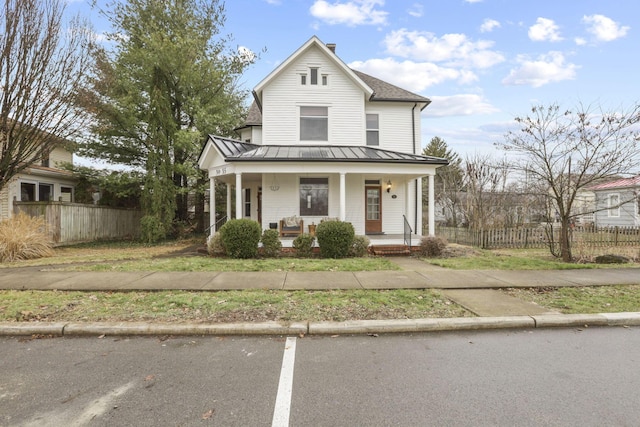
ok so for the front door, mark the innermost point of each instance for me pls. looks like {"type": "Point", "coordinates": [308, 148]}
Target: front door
{"type": "Point", "coordinates": [373, 214]}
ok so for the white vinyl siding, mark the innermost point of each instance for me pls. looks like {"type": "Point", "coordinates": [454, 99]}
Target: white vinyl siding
{"type": "Point", "coordinates": [613, 205]}
{"type": "Point", "coordinates": [394, 121]}
{"type": "Point", "coordinates": [284, 95]}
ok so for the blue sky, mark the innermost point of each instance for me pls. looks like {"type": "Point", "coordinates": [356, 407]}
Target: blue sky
{"type": "Point", "coordinates": [481, 62]}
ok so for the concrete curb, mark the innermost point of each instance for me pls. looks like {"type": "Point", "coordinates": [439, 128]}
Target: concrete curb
{"type": "Point", "coordinates": [319, 328]}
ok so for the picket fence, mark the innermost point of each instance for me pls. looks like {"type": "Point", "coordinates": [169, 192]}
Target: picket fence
{"type": "Point", "coordinates": [70, 223]}
{"type": "Point", "coordinates": [539, 237]}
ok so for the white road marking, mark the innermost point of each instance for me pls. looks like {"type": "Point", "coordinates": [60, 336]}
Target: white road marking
{"type": "Point", "coordinates": [285, 387]}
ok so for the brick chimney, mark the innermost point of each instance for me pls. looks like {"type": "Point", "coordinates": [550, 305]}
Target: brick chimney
{"type": "Point", "coordinates": [332, 47]}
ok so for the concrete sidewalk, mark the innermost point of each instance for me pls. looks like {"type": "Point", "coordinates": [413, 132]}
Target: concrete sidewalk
{"type": "Point", "coordinates": [473, 289]}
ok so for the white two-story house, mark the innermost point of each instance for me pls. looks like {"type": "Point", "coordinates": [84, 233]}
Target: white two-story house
{"type": "Point", "coordinates": [322, 140]}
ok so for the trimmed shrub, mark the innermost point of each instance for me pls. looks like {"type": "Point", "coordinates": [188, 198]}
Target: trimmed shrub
{"type": "Point", "coordinates": [335, 238]}
{"type": "Point", "coordinates": [271, 245]}
{"type": "Point", "coordinates": [431, 246]}
{"type": "Point", "coordinates": [360, 246]}
{"type": "Point", "coordinates": [240, 238]}
{"type": "Point", "coordinates": [215, 247]}
{"type": "Point", "coordinates": [303, 244]}
{"type": "Point", "coordinates": [24, 237]}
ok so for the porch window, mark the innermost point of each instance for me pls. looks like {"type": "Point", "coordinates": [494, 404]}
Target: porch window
{"type": "Point", "coordinates": [373, 130]}
{"type": "Point", "coordinates": [67, 194]}
{"type": "Point", "coordinates": [314, 196]}
{"type": "Point", "coordinates": [27, 192]}
{"type": "Point", "coordinates": [247, 202]}
{"type": "Point", "coordinates": [614, 205]}
{"type": "Point", "coordinates": [314, 123]}
{"type": "Point", "coordinates": [45, 192]}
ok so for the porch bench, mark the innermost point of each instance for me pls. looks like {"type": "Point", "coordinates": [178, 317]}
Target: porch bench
{"type": "Point", "coordinates": [291, 226]}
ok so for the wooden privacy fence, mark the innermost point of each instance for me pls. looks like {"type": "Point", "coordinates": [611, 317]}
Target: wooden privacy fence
{"type": "Point", "coordinates": [74, 222]}
{"type": "Point", "coordinates": [539, 237]}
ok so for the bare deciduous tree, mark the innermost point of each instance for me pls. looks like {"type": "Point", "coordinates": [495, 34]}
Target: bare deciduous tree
{"type": "Point", "coordinates": [568, 151]}
{"type": "Point", "coordinates": [43, 67]}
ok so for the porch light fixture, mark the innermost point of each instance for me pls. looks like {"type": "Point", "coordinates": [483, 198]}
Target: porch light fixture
{"type": "Point", "coordinates": [274, 184]}
{"type": "Point", "coordinates": [389, 186]}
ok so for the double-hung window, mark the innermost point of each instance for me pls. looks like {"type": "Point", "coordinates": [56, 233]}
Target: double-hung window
{"type": "Point", "coordinates": [314, 123]}
{"type": "Point", "coordinates": [314, 196]}
{"type": "Point", "coordinates": [373, 130]}
{"type": "Point", "coordinates": [614, 205]}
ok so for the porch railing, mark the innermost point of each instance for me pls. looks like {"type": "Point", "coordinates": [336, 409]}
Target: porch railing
{"type": "Point", "coordinates": [407, 231]}
{"type": "Point", "coordinates": [219, 223]}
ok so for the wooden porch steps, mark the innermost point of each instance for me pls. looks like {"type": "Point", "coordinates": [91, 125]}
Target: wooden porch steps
{"type": "Point", "coordinates": [390, 250]}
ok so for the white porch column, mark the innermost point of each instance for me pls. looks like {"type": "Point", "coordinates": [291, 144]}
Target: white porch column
{"type": "Point", "coordinates": [432, 205]}
{"type": "Point", "coordinates": [419, 206]}
{"type": "Point", "coordinates": [343, 197]}
{"type": "Point", "coordinates": [228, 202]}
{"type": "Point", "coordinates": [238, 195]}
{"type": "Point", "coordinates": [212, 206]}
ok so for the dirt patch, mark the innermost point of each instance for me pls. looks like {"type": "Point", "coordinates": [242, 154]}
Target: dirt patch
{"type": "Point", "coordinates": [454, 250]}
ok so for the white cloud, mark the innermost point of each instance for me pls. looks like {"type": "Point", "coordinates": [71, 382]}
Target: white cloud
{"type": "Point", "coordinates": [459, 105]}
{"type": "Point", "coordinates": [603, 28]}
{"type": "Point", "coordinates": [489, 25]}
{"type": "Point", "coordinates": [412, 76]}
{"type": "Point", "coordinates": [473, 1]}
{"type": "Point", "coordinates": [274, 2]}
{"type": "Point", "coordinates": [416, 10]}
{"type": "Point", "coordinates": [351, 13]}
{"type": "Point", "coordinates": [545, 30]}
{"type": "Point", "coordinates": [455, 50]}
{"type": "Point", "coordinates": [545, 69]}
{"type": "Point", "coordinates": [580, 41]}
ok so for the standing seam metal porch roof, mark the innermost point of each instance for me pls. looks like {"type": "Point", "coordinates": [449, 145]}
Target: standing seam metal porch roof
{"type": "Point", "coordinates": [233, 151]}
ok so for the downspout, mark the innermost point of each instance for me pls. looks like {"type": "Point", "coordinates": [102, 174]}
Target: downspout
{"type": "Point", "coordinates": [415, 151]}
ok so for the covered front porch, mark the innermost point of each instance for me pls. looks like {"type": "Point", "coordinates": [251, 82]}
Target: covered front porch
{"type": "Point", "coordinates": [378, 191]}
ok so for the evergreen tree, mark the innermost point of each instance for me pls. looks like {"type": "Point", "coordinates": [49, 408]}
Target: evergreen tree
{"type": "Point", "coordinates": [166, 80]}
{"type": "Point", "coordinates": [448, 180]}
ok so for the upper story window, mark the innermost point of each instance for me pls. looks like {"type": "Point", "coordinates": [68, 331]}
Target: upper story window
{"type": "Point", "coordinates": [314, 123]}
{"type": "Point", "coordinates": [373, 130]}
{"type": "Point", "coordinates": [313, 77]}
{"type": "Point", "coordinates": [614, 205]}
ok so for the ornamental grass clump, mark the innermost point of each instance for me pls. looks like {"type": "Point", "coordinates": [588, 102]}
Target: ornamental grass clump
{"type": "Point", "coordinates": [240, 238]}
{"type": "Point", "coordinates": [24, 237]}
{"type": "Point", "coordinates": [335, 238]}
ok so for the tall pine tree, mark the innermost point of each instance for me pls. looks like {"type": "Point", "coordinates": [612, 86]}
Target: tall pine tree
{"type": "Point", "coordinates": [449, 179]}
{"type": "Point", "coordinates": [165, 80]}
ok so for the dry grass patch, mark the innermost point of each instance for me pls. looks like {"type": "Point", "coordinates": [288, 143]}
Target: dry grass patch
{"type": "Point", "coordinates": [24, 237]}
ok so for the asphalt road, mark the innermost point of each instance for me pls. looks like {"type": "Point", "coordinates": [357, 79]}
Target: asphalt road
{"type": "Point", "coordinates": [572, 377]}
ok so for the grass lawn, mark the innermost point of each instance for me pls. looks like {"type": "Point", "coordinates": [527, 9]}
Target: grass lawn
{"type": "Point", "coordinates": [263, 305]}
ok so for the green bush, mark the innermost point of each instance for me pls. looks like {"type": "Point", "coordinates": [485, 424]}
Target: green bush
{"type": "Point", "coordinates": [215, 247]}
{"type": "Point", "coordinates": [271, 245]}
{"type": "Point", "coordinates": [431, 246]}
{"type": "Point", "coordinates": [360, 246]}
{"type": "Point", "coordinates": [24, 237]}
{"type": "Point", "coordinates": [240, 238]}
{"type": "Point", "coordinates": [303, 244]}
{"type": "Point", "coordinates": [335, 238]}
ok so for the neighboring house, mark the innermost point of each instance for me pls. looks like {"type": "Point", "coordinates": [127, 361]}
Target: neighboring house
{"type": "Point", "coordinates": [618, 203]}
{"type": "Point", "coordinates": [42, 182]}
{"type": "Point", "coordinates": [324, 141]}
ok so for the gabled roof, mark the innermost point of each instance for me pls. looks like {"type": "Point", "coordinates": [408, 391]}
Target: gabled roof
{"type": "Point", "coordinates": [619, 183]}
{"type": "Point", "coordinates": [235, 151]}
{"type": "Point", "coordinates": [312, 42]}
